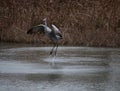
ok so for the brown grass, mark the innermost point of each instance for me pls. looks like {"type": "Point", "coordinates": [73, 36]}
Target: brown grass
{"type": "Point", "coordinates": [82, 22]}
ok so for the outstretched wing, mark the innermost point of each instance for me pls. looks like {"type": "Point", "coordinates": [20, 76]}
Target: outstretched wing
{"type": "Point", "coordinates": [36, 29]}
{"type": "Point", "coordinates": [56, 31]}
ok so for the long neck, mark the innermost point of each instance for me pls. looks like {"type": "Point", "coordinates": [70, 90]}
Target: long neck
{"type": "Point", "coordinates": [45, 22]}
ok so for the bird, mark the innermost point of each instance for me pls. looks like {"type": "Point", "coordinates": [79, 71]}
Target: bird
{"type": "Point", "coordinates": [53, 33]}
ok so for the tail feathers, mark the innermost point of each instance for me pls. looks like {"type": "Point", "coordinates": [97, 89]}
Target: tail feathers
{"type": "Point", "coordinates": [59, 36]}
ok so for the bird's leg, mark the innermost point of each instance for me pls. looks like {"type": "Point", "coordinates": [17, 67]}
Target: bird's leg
{"type": "Point", "coordinates": [53, 62]}
{"type": "Point", "coordinates": [52, 49]}
{"type": "Point", "coordinates": [56, 49]}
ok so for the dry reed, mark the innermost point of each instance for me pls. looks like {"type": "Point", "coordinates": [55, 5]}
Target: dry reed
{"type": "Point", "coordinates": [82, 22]}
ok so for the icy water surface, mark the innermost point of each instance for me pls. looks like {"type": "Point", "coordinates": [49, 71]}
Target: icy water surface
{"type": "Point", "coordinates": [29, 68]}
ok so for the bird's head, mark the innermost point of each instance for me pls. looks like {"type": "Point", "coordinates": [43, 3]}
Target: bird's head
{"type": "Point", "coordinates": [45, 21]}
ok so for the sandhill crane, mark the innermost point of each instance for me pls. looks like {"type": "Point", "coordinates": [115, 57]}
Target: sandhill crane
{"type": "Point", "coordinates": [52, 33]}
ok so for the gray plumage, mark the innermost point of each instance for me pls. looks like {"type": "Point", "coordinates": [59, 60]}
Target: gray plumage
{"type": "Point", "coordinates": [53, 33]}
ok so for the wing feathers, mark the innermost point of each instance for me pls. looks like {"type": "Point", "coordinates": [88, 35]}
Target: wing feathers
{"type": "Point", "coordinates": [57, 32]}
{"type": "Point", "coordinates": [36, 29]}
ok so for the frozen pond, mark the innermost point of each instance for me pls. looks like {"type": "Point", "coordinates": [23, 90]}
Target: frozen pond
{"type": "Point", "coordinates": [29, 68]}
